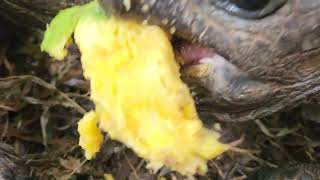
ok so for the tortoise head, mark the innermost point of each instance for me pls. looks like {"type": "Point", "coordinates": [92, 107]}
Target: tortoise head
{"type": "Point", "coordinates": [264, 54]}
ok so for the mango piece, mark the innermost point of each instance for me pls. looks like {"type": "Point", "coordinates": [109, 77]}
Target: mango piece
{"type": "Point", "coordinates": [93, 138]}
{"type": "Point", "coordinates": [139, 96]}
{"type": "Point", "coordinates": [136, 87]}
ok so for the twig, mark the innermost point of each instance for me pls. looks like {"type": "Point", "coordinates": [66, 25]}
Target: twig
{"type": "Point", "coordinates": [281, 133]}
{"type": "Point", "coordinates": [7, 108]}
{"type": "Point", "coordinates": [77, 168]}
{"type": "Point", "coordinates": [49, 86]}
{"type": "Point", "coordinates": [132, 168]}
{"type": "Point", "coordinates": [264, 129]}
{"type": "Point", "coordinates": [4, 132]}
{"type": "Point", "coordinates": [244, 151]}
{"type": "Point", "coordinates": [218, 169]}
{"type": "Point", "coordinates": [239, 178]}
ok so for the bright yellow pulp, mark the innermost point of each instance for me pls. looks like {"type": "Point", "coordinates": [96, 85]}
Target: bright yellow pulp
{"type": "Point", "coordinates": [139, 96]}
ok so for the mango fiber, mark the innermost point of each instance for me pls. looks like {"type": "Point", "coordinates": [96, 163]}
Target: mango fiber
{"type": "Point", "coordinates": [139, 97]}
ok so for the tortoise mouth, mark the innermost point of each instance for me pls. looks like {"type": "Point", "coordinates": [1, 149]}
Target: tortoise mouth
{"type": "Point", "coordinates": [191, 53]}
{"type": "Point", "coordinates": [188, 53]}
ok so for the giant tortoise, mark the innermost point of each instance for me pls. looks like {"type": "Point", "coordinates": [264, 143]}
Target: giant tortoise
{"type": "Point", "coordinates": [243, 59]}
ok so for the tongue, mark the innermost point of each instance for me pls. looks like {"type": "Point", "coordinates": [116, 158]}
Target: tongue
{"type": "Point", "coordinates": [193, 53]}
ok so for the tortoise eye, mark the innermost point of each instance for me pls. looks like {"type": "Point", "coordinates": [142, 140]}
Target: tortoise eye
{"type": "Point", "coordinates": [251, 5]}
{"type": "Point", "coordinates": [251, 9]}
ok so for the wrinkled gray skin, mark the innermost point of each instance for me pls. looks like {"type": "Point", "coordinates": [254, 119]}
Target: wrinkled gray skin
{"type": "Point", "coordinates": [270, 64]}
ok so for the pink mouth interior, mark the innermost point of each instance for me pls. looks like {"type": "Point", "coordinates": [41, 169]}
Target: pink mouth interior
{"type": "Point", "coordinates": [192, 53]}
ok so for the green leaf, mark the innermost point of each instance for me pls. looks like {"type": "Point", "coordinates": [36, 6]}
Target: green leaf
{"type": "Point", "coordinates": [58, 35]}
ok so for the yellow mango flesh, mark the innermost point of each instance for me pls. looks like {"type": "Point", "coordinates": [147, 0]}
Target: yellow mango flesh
{"type": "Point", "coordinates": [139, 96]}
{"type": "Point", "coordinates": [92, 137]}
